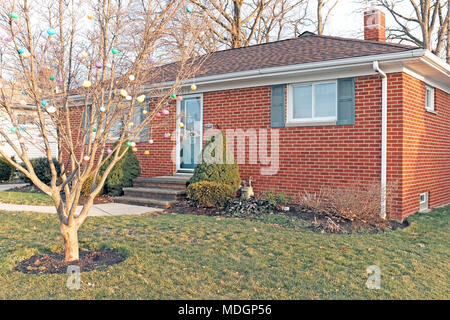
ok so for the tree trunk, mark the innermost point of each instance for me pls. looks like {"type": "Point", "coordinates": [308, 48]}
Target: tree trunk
{"type": "Point", "coordinates": [70, 236]}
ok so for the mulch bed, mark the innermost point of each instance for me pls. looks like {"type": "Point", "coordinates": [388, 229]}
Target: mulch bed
{"type": "Point", "coordinates": [321, 223]}
{"type": "Point", "coordinates": [32, 189]}
{"type": "Point", "coordinates": [54, 262]}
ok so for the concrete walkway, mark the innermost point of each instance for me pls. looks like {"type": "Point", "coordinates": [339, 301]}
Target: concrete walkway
{"type": "Point", "coordinates": [104, 209]}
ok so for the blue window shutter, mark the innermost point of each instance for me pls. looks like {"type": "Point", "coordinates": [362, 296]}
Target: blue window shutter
{"type": "Point", "coordinates": [277, 106]}
{"type": "Point", "coordinates": [346, 101]}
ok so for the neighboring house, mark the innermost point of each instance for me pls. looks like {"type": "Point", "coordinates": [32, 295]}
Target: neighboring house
{"type": "Point", "coordinates": [345, 110]}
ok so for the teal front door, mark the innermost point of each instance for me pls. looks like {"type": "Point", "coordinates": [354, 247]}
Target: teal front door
{"type": "Point", "coordinates": [190, 132]}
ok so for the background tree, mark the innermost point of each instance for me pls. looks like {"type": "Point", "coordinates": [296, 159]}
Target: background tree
{"type": "Point", "coordinates": [423, 23]}
{"type": "Point", "coordinates": [95, 56]}
{"type": "Point", "coordinates": [239, 23]}
{"type": "Point", "coordinates": [324, 9]}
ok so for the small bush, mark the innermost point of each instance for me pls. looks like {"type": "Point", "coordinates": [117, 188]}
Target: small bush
{"type": "Point", "coordinates": [123, 173]}
{"type": "Point", "coordinates": [240, 207]}
{"type": "Point", "coordinates": [41, 167]}
{"type": "Point", "coordinates": [209, 194]}
{"type": "Point", "coordinates": [87, 185]}
{"type": "Point", "coordinates": [6, 170]}
{"type": "Point", "coordinates": [353, 202]}
{"type": "Point", "coordinates": [278, 199]}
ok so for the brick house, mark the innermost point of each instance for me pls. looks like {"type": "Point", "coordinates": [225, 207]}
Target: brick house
{"type": "Point", "coordinates": [336, 110]}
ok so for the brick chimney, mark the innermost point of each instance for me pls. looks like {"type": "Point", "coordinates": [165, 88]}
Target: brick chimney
{"type": "Point", "coordinates": [374, 25]}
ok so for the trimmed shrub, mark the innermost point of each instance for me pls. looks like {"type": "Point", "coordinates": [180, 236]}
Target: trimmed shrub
{"type": "Point", "coordinates": [41, 167]}
{"type": "Point", "coordinates": [216, 169]}
{"type": "Point", "coordinates": [87, 185]}
{"type": "Point", "coordinates": [123, 173]}
{"type": "Point", "coordinates": [209, 194]}
{"type": "Point", "coordinates": [6, 170]}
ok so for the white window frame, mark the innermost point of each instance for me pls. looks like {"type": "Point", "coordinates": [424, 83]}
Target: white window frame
{"type": "Point", "coordinates": [314, 120]}
{"type": "Point", "coordinates": [427, 103]}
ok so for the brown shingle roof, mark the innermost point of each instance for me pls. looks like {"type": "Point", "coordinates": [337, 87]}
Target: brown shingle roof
{"type": "Point", "coordinates": [304, 49]}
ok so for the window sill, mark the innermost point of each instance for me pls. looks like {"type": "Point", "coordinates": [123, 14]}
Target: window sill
{"type": "Point", "coordinates": [430, 111]}
{"type": "Point", "coordinates": [311, 124]}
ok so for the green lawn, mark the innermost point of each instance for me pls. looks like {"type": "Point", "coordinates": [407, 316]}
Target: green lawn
{"type": "Point", "coordinates": [38, 199]}
{"type": "Point", "coordinates": [200, 257]}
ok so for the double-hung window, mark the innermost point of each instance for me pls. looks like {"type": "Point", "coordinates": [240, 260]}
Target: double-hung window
{"type": "Point", "coordinates": [313, 103]}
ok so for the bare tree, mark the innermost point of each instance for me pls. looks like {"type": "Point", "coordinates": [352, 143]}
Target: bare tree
{"type": "Point", "coordinates": [239, 23]}
{"type": "Point", "coordinates": [322, 15]}
{"type": "Point", "coordinates": [92, 67]}
{"type": "Point", "coordinates": [421, 22]}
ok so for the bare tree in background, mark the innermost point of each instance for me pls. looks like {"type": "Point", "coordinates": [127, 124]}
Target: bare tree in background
{"type": "Point", "coordinates": [239, 23]}
{"type": "Point", "coordinates": [63, 60]}
{"type": "Point", "coordinates": [324, 9]}
{"type": "Point", "coordinates": [421, 22]}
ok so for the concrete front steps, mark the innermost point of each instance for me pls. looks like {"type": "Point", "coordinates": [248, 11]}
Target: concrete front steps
{"type": "Point", "coordinates": [159, 192]}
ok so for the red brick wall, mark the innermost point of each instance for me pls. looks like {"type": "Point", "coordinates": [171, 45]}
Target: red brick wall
{"type": "Point", "coordinates": [312, 157]}
{"type": "Point", "coordinates": [426, 147]}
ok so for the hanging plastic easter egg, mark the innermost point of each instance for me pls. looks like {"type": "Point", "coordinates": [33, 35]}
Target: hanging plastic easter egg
{"type": "Point", "coordinates": [146, 152]}
{"type": "Point", "coordinates": [128, 143]}
{"type": "Point", "coordinates": [51, 78]}
{"type": "Point", "coordinates": [84, 54]}
{"type": "Point", "coordinates": [51, 109]}
{"type": "Point", "coordinates": [87, 83]}
{"type": "Point", "coordinates": [51, 32]}
{"type": "Point", "coordinates": [21, 50]}
{"type": "Point", "coordinates": [26, 55]}
{"type": "Point", "coordinates": [188, 9]}
{"type": "Point", "coordinates": [108, 151]}
{"type": "Point", "coordinates": [151, 141]}
{"type": "Point", "coordinates": [165, 112]}
{"type": "Point", "coordinates": [151, 60]}
{"type": "Point", "coordinates": [24, 92]}
{"type": "Point", "coordinates": [129, 98]}
{"type": "Point", "coordinates": [102, 109]}
{"type": "Point", "coordinates": [33, 141]}
{"type": "Point", "coordinates": [57, 62]}
{"type": "Point", "coordinates": [180, 98]}
{"type": "Point", "coordinates": [14, 15]}
{"type": "Point", "coordinates": [173, 96]}
{"type": "Point", "coordinates": [132, 77]}
{"type": "Point", "coordinates": [98, 65]}
{"type": "Point", "coordinates": [42, 150]}
{"type": "Point", "coordinates": [134, 149]}
{"type": "Point", "coordinates": [21, 140]}
{"type": "Point", "coordinates": [141, 98]}
{"type": "Point", "coordinates": [133, 144]}
{"type": "Point", "coordinates": [193, 87]}
{"type": "Point", "coordinates": [114, 51]}
{"type": "Point", "coordinates": [158, 115]}
{"type": "Point", "coordinates": [8, 39]}
{"type": "Point", "coordinates": [94, 130]}
{"type": "Point", "coordinates": [108, 66]}
{"type": "Point", "coordinates": [86, 158]}
{"type": "Point", "coordinates": [123, 93]}
{"type": "Point", "coordinates": [130, 124]}
{"type": "Point", "coordinates": [22, 102]}
{"type": "Point", "coordinates": [90, 16]}
{"type": "Point", "coordinates": [144, 111]}
{"type": "Point", "coordinates": [181, 125]}
{"type": "Point", "coordinates": [44, 102]}
{"type": "Point", "coordinates": [13, 129]}
{"type": "Point", "coordinates": [60, 80]}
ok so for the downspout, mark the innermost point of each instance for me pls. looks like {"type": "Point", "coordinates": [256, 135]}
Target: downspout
{"type": "Point", "coordinates": [377, 69]}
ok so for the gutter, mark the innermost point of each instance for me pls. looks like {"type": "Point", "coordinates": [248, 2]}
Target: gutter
{"type": "Point", "coordinates": [377, 69]}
